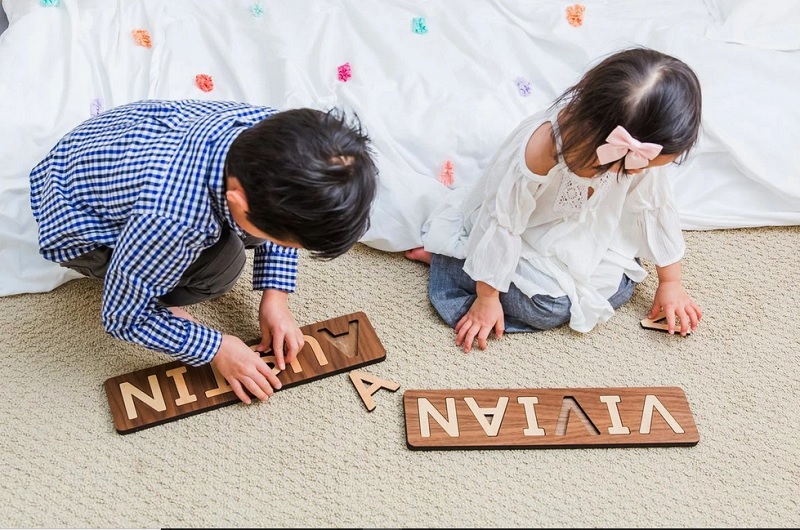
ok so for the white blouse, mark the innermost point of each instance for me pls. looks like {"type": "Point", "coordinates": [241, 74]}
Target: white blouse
{"type": "Point", "coordinates": [547, 236]}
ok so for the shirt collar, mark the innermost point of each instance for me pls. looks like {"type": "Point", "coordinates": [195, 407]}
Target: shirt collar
{"type": "Point", "coordinates": [216, 181]}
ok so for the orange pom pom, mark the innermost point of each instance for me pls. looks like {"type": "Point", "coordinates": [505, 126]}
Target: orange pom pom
{"type": "Point", "coordinates": [142, 38]}
{"type": "Point", "coordinates": [575, 15]}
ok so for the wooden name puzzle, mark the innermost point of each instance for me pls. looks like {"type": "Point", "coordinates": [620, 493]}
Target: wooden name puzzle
{"type": "Point", "coordinates": [548, 418]}
{"type": "Point", "coordinates": [171, 391]}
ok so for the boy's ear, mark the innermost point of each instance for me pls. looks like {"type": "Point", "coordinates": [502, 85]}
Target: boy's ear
{"type": "Point", "coordinates": [237, 200]}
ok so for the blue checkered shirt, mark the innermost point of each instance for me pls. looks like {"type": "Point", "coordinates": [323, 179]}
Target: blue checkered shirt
{"type": "Point", "coordinates": [147, 179]}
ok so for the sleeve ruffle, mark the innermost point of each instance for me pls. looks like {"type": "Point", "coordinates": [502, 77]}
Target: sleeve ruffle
{"type": "Point", "coordinates": [656, 226]}
{"type": "Point", "coordinates": [494, 245]}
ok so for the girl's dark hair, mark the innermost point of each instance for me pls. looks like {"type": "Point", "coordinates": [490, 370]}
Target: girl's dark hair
{"type": "Point", "coordinates": [654, 96]}
{"type": "Point", "coordinates": [308, 177]}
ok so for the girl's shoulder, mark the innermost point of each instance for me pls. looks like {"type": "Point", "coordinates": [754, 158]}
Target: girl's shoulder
{"type": "Point", "coordinates": [540, 150]}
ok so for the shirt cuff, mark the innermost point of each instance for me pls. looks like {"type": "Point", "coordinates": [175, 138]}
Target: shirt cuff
{"type": "Point", "coordinates": [200, 346]}
{"type": "Point", "coordinates": [275, 267]}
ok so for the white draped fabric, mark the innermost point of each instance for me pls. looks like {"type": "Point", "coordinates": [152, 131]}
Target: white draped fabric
{"type": "Point", "coordinates": [449, 93]}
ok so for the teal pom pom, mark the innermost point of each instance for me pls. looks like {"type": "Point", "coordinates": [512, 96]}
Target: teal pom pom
{"type": "Point", "coordinates": [257, 10]}
{"type": "Point", "coordinates": [419, 25]}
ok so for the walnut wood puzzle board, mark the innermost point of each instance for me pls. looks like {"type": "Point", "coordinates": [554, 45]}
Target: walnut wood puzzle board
{"type": "Point", "coordinates": [171, 391]}
{"type": "Point", "coordinates": [548, 418]}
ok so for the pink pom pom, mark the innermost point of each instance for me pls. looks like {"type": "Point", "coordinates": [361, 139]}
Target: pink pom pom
{"type": "Point", "coordinates": [446, 175]}
{"type": "Point", "coordinates": [204, 82]}
{"type": "Point", "coordinates": [344, 72]}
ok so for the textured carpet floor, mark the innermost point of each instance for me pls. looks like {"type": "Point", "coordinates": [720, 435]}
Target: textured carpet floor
{"type": "Point", "coordinates": [312, 456]}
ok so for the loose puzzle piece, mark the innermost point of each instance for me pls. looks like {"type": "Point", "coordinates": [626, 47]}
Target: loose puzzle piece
{"type": "Point", "coordinates": [548, 418]}
{"type": "Point", "coordinates": [376, 383]}
{"type": "Point", "coordinates": [171, 391]}
{"type": "Point", "coordinates": [660, 323]}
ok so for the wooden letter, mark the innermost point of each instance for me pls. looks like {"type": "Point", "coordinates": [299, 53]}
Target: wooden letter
{"type": "Point", "coordinates": [270, 359]}
{"type": "Point", "coordinates": [530, 415]}
{"type": "Point", "coordinates": [295, 364]}
{"type": "Point", "coordinates": [184, 396]}
{"type": "Point", "coordinates": [497, 412]}
{"type": "Point", "coordinates": [155, 402]}
{"type": "Point", "coordinates": [450, 425]}
{"type": "Point", "coordinates": [377, 383]}
{"type": "Point", "coordinates": [613, 413]}
{"type": "Point", "coordinates": [222, 385]}
{"type": "Point", "coordinates": [651, 401]}
{"type": "Point", "coordinates": [317, 349]}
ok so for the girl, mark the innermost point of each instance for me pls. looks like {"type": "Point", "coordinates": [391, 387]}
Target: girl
{"type": "Point", "coordinates": [553, 230]}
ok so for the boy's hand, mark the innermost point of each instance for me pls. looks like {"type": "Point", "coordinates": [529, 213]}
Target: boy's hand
{"type": "Point", "coordinates": [485, 314]}
{"type": "Point", "coordinates": [672, 297]}
{"type": "Point", "coordinates": [278, 328]}
{"type": "Point", "coordinates": [243, 368]}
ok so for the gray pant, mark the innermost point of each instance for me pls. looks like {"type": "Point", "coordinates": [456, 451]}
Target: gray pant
{"type": "Point", "coordinates": [212, 274]}
{"type": "Point", "coordinates": [452, 293]}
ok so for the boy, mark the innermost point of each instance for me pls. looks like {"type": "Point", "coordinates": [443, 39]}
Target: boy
{"type": "Point", "coordinates": [161, 198]}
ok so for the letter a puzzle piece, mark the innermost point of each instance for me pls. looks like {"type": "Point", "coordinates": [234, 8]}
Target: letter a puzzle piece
{"type": "Point", "coordinates": [660, 324]}
{"type": "Point", "coordinates": [358, 378]}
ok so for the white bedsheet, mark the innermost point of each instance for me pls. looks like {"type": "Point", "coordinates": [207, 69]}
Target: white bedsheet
{"type": "Point", "coordinates": [446, 95]}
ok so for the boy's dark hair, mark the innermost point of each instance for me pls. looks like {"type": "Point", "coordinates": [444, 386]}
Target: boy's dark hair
{"type": "Point", "coordinates": [308, 177]}
{"type": "Point", "coordinates": [654, 96]}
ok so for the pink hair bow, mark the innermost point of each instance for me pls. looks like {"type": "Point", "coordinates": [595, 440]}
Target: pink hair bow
{"type": "Point", "coordinates": [620, 143]}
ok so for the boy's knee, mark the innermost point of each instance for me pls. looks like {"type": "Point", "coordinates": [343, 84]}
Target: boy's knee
{"type": "Point", "coordinates": [93, 264]}
{"type": "Point", "coordinates": [198, 290]}
{"type": "Point", "coordinates": [223, 281]}
{"type": "Point", "coordinates": [213, 274]}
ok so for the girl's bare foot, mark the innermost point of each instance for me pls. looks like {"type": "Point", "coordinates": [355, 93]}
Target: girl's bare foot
{"type": "Point", "coordinates": [419, 254]}
{"type": "Point", "coordinates": [182, 313]}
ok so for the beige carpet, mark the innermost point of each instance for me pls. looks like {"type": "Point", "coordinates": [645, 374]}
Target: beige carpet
{"type": "Point", "coordinates": [313, 456]}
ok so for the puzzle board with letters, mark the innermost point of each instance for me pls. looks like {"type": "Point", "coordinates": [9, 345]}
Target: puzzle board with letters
{"type": "Point", "coordinates": [548, 418]}
{"type": "Point", "coordinates": [171, 391]}
{"type": "Point", "coordinates": [434, 419]}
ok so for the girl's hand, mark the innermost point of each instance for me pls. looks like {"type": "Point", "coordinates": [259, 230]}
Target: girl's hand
{"type": "Point", "coordinates": [485, 314]}
{"type": "Point", "coordinates": [672, 298]}
{"type": "Point", "coordinates": [278, 328]}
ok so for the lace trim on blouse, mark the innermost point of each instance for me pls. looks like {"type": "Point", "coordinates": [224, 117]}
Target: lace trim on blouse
{"type": "Point", "coordinates": [573, 192]}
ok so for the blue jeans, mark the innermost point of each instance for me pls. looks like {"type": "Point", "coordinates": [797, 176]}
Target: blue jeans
{"type": "Point", "coordinates": [452, 293]}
